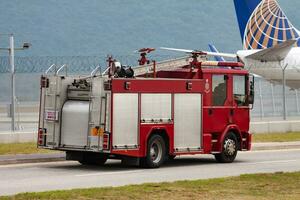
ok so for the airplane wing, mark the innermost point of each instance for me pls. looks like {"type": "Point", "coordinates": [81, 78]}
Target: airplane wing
{"type": "Point", "coordinates": [275, 53]}
{"type": "Point", "coordinates": [226, 55]}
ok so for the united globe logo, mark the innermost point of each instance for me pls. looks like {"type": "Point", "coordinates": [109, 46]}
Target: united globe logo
{"type": "Point", "coordinates": [268, 26]}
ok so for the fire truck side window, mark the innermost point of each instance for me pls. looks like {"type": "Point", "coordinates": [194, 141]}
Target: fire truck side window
{"type": "Point", "coordinates": [219, 88]}
{"type": "Point", "coordinates": [239, 90]}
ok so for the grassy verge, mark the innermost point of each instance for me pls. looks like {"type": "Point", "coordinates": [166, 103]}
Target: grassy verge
{"type": "Point", "coordinates": [21, 148]}
{"type": "Point", "coordinates": [257, 186]}
{"type": "Point", "coordinates": [28, 148]}
{"type": "Point", "coordinates": [277, 137]}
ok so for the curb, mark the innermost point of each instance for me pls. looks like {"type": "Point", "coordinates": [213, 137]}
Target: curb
{"type": "Point", "coordinates": [54, 157]}
{"type": "Point", "coordinates": [31, 158]}
{"type": "Point", "coordinates": [275, 146]}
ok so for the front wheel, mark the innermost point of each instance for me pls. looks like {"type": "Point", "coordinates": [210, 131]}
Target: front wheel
{"type": "Point", "coordinates": [229, 149]}
{"type": "Point", "coordinates": [156, 152]}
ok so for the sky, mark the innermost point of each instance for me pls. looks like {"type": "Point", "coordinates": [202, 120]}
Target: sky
{"type": "Point", "coordinates": [93, 27]}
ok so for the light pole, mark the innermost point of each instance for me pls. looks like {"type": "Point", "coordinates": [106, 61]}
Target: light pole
{"type": "Point", "coordinates": [11, 51]}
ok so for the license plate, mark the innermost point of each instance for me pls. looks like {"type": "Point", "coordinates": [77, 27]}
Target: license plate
{"type": "Point", "coordinates": [51, 115]}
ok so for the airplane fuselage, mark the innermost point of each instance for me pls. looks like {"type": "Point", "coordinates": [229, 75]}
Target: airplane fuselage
{"type": "Point", "coordinates": [273, 71]}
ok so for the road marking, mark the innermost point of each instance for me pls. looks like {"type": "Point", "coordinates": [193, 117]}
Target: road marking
{"type": "Point", "coordinates": [266, 151]}
{"type": "Point", "coordinates": [269, 162]}
{"type": "Point", "coordinates": [34, 164]}
{"type": "Point", "coordinates": [197, 156]}
{"type": "Point", "coordinates": [109, 173]}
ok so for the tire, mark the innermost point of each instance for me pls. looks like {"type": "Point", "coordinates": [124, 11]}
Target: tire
{"type": "Point", "coordinates": [229, 149]}
{"type": "Point", "coordinates": [171, 157]}
{"type": "Point", "coordinates": [93, 159]}
{"type": "Point", "coordinates": [156, 152]}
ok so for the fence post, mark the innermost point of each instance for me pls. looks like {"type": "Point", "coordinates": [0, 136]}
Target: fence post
{"type": "Point", "coordinates": [273, 99]}
{"type": "Point", "coordinates": [261, 100]}
{"type": "Point", "coordinates": [297, 100]}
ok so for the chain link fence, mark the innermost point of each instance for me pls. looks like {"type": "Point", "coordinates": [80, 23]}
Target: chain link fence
{"type": "Point", "coordinates": [269, 100]}
{"type": "Point", "coordinates": [76, 64]}
{"type": "Point", "coordinates": [29, 69]}
{"type": "Point", "coordinates": [268, 96]}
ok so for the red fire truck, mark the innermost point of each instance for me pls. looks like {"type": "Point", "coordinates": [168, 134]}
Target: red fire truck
{"type": "Point", "coordinates": [149, 113]}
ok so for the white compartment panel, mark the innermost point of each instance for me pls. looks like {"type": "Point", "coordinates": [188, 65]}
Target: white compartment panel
{"type": "Point", "coordinates": [187, 121]}
{"type": "Point", "coordinates": [125, 120]}
{"type": "Point", "coordinates": [156, 107]}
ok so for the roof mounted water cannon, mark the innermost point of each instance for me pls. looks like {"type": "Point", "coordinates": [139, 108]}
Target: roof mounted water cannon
{"type": "Point", "coordinates": [198, 53]}
{"type": "Point", "coordinates": [143, 53]}
{"type": "Point", "coordinates": [146, 50]}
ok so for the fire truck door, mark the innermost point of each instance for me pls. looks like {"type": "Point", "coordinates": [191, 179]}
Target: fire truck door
{"type": "Point", "coordinates": [241, 108]}
{"type": "Point", "coordinates": [219, 112]}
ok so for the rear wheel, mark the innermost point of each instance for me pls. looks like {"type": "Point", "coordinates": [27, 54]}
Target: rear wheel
{"type": "Point", "coordinates": [229, 149]}
{"type": "Point", "coordinates": [93, 159]}
{"type": "Point", "coordinates": [156, 152]}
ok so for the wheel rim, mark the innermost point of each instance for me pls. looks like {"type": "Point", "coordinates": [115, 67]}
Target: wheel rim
{"type": "Point", "coordinates": [229, 147]}
{"type": "Point", "coordinates": [156, 151]}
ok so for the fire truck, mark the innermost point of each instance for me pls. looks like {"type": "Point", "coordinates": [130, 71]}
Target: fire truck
{"type": "Point", "coordinates": [148, 114]}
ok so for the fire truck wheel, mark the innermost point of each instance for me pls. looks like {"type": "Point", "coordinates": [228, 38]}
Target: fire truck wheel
{"type": "Point", "coordinates": [229, 149]}
{"type": "Point", "coordinates": [93, 159]}
{"type": "Point", "coordinates": [171, 157]}
{"type": "Point", "coordinates": [156, 152]}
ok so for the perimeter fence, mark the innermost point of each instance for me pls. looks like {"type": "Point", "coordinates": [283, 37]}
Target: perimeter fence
{"type": "Point", "coordinates": [268, 96]}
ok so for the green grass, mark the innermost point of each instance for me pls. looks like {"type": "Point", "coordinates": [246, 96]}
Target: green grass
{"type": "Point", "coordinates": [21, 148]}
{"type": "Point", "coordinates": [248, 187]}
{"type": "Point", "coordinates": [277, 137]}
{"type": "Point", "coordinates": [29, 148]}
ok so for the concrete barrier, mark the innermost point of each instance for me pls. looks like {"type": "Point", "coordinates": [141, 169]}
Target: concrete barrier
{"type": "Point", "coordinates": [23, 108]}
{"type": "Point", "coordinates": [18, 137]}
{"type": "Point", "coordinates": [275, 126]}
{"type": "Point", "coordinates": [255, 127]}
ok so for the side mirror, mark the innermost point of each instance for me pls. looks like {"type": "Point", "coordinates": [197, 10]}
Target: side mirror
{"type": "Point", "coordinates": [251, 92]}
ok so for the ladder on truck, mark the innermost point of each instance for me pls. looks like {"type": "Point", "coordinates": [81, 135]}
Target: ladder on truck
{"type": "Point", "coordinates": [170, 64]}
{"type": "Point", "coordinates": [53, 98]}
{"type": "Point", "coordinates": [163, 65]}
{"type": "Point", "coordinates": [97, 112]}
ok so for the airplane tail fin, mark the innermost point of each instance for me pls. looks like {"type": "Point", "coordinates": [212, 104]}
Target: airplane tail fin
{"type": "Point", "coordinates": [215, 50]}
{"type": "Point", "coordinates": [263, 24]}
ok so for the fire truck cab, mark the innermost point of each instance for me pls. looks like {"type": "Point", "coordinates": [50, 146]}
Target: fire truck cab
{"type": "Point", "coordinates": [154, 116]}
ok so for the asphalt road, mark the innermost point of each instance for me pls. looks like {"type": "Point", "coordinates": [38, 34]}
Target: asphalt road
{"type": "Point", "coordinates": [67, 175]}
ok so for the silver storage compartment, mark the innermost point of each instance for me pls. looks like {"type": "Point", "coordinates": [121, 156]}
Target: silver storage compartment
{"type": "Point", "coordinates": [74, 123]}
